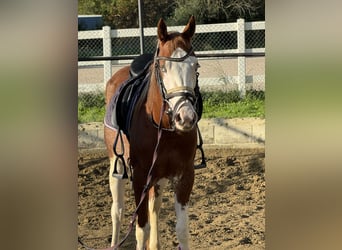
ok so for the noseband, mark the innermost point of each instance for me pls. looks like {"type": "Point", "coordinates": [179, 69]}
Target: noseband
{"type": "Point", "coordinates": [186, 94]}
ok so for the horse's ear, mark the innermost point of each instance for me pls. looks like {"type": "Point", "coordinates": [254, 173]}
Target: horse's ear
{"type": "Point", "coordinates": [162, 30]}
{"type": "Point", "coordinates": [190, 28]}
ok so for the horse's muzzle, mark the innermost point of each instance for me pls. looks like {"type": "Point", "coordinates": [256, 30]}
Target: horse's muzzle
{"type": "Point", "coordinates": [186, 118]}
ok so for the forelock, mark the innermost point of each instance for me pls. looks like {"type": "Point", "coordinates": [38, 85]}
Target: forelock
{"type": "Point", "coordinates": [177, 41]}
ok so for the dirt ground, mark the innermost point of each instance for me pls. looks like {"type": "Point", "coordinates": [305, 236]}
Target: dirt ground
{"type": "Point", "coordinates": [226, 211]}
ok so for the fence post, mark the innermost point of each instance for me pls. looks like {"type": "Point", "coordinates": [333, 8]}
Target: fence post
{"type": "Point", "coordinates": [241, 59]}
{"type": "Point", "coordinates": [107, 51]}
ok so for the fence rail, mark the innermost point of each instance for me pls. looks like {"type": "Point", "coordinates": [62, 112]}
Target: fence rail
{"type": "Point", "coordinates": [214, 44]}
{"type": "Point", "coordinates": [225, 55]}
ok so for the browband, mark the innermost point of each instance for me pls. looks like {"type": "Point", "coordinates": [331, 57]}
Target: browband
{"type": "Point", "coordinates": [174, 59]}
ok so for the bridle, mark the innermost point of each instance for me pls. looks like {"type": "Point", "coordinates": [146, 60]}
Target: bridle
{"type": "Point", "coordinates": [186, 94]}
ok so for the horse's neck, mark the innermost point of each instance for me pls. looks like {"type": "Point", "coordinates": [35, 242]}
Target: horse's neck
{"type": "Point", "coordinates": [154, 102]}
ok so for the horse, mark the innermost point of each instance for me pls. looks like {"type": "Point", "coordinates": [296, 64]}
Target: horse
{"type": "Point", "coordinates": [161, 139]}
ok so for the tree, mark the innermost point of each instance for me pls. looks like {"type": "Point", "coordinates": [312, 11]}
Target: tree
{"type": "Point", "coordinates": [248, 9]}
{"type": "Point", "coordinates": [216, 11]}
{"type": "Point", "coordinates": [99, 7]}
{"type": "Point", "coordinates": [124, 13]}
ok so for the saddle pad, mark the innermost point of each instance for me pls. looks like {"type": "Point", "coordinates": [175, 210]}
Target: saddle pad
{"type": "Point", "coordinates": [120, 109]}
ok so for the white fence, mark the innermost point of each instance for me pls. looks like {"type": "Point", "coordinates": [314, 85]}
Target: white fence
{"type": "Point", "coordinates": [226, 72]}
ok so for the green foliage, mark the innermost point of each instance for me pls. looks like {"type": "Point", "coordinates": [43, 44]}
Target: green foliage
{"type": "Point", "coordinates": [184, 9]}
{"type": "Point", "coordinates": [95, 7]}
{"type": "Point", "coordinates": [124, 13]}
{"type": "Point", "coordinates": [217, 98]}
{"type": "Point", "coordinates": [121, 14]}
{"type": "Point", "coordinates": [218, 104]}
{"type": "Point", "coordinates": [231, 105]}
{"type": "Point", "coordinates": [244, 108]}
{"type": "Point", "coordinates": [91, 107]}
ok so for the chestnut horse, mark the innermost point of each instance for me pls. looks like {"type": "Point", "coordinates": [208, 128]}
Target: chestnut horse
{"type": "Point", "coordinates": [162, 138]}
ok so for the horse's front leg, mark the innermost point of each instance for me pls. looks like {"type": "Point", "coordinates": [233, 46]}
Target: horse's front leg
{"type": "Point", "coordinates": [183, 189]}
{"type": "Point", "coordinates": [117, 186]}
{"type": "Point", "coordinates": [182, 229]}
{"type": "Point", "coordinates": [154, 203]}
{"type": "Point", "coordinates": [141, 235]}
{"type": "Point", "coordinates": [142, 228]}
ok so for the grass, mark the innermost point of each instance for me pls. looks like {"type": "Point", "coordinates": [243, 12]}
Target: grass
{"type": "Point", "coordinates": [216, 104]}
{"type": "Point", "coordinates": [91, 107]}
{"type": "Point", "coordinates": [229, 105]}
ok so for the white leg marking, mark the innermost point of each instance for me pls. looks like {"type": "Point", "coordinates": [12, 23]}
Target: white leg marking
{"type": "Point", "coordinates": [117, 189]}
{"type": "Point", "coordinates": [141, 235]}
{"type": "Point", "coordinates": [182, 229]}
{"type": "Point", "coordinates": [154, 204]}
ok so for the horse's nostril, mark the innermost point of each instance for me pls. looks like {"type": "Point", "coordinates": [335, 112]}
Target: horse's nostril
{"type": "Point", "coordinates": [178, 118]}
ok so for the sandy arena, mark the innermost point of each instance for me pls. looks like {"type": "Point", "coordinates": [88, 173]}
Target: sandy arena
{"type": "Point", "coordinates": [227, 206]}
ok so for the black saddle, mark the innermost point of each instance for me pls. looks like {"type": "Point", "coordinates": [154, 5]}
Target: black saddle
{"type": "Point", "coordinates": [120, 111]}
{"type": "Point", "coordinates": [139, 63]}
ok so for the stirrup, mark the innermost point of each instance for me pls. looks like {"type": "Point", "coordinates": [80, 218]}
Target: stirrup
{"type": "Point", "coordinates": [119, 156]}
